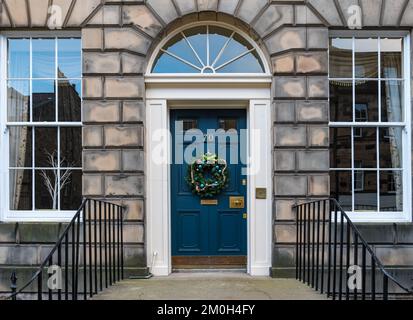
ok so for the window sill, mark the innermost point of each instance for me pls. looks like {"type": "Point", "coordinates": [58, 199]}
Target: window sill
{"type": "Point", "coordinates": [38, 216]}
{"type": "Point", "coordinates": [379, 218]}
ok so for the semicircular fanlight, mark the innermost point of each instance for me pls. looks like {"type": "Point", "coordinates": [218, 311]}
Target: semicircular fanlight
{"type": "Point", "coordinates": [208, 49]}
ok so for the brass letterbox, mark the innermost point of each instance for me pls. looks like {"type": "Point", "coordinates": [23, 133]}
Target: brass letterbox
{"type": "Point", "coordinates": [236, 202]}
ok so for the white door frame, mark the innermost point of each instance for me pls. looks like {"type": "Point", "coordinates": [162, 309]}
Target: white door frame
{"type": "Point", "coordinates": [257, 100]}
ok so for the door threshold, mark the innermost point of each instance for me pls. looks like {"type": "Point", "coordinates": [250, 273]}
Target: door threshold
{"type": "Point", "coordinates": [209, 270]}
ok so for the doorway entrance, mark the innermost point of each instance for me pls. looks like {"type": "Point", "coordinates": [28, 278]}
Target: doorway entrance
{"type": "Point", "coordinates": [208, 230]}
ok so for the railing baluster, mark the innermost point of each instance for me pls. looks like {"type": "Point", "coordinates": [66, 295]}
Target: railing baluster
{"type": "Point", "coordinates": [313, 248]}
{"type": "Point", "coordinates": [118, 240]}
{"type": "Point", "coordinates": [309, 244]}
{"type": "Point", "coordinates": [348, 243]}
{"type": "Point", "coordinates": [323, 243]}
{"type": "Point", "coordinates": [106, 242]}
{"type": "Point", "coordinates": [90, 248]}
{"type": "Point", "coordinates": [50, 289]}
{"type": "Point", "coordinates": [329, 252]}
{"type": "Point", "coordinates": [95, 245]}
{"type": "Point", "coordinates": [355, 259]}
{"type": "Point", "coordinates": [335, 253]}
{"type": "Point", "coordinates": [297, 240]}
{"type": "Point", "coordinates": [318, 246]}
{"type": "Point", "coordinates": [113, 243]}
{"type": "Point", "coordinates": [363, 268]}
{"type": "Point", "coordinates": [110, 244]}
{"type": "Point", "coordinates": [59, 263]}
{"type": "Point", "coordinates": [385, 287]}
{"type": "Point", "coordinates": [73, 264]}
{"type": "Point", "coordinates": [40, 286]}
{"type": "Point", "coordinates": [67, 267]}
{"type": "Point", "coordinates": [340, 294]}
{"type": "Point", "coordinates": [85, 251]}
{"type": "Point", "coordinates": [373, 278]}
{"type": "Point", "coordinates": [121, 240]}
{"type": "Point", "coordinates": [304, 245]}
{"type": "Point", "coordinates": [100, 247]}
{"type": "Point", "coordinates": [77, 255]}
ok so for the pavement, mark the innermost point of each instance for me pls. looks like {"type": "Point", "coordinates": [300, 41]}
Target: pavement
{"type": "Point", "coordinates": [210, 286]}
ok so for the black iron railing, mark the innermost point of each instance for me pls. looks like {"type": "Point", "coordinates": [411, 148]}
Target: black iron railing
{"type": "Point", "coordinates": [87, 257]}
{"type": "Point", "coordinates": [333, 258]}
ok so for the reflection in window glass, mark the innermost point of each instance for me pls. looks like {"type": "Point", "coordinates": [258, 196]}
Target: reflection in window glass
{"type": "Point", "coordinates": [50, 155]}
{"type": "Point", "coordinates": [44, 100]}
{"type": "Point", "coordinates": [340, 148]}
{"type": "Point", "coordinates": [340, 188]}
{"type": "Point", "coordinates": [19, 58]}
{"type": "Point", "coordinates": [18, 101]}
{"type": "Point", "coordinates": [341, 58]}
{"type": "Point", "coordinates": [68, 56]}
{"type": "Point", "coordinates": [391, 191]}
{"type": "Point", "coordinates": [20, 189]}
{"type": "Point", "coordinates": [367, 94]}
{"type": "Point", "coordinates": [341, 101]}
{"type": "Point", "coordinates": [365, 148]}
{"type": "Point", "coordinates": [390, 147]}
{"type": "Point", "coordinates": [366, 58]}
{"type": "Point", "coordinates": [391, 58]}
{"type": "Point", "coordinates": [392, 101]}
{"type": "Point", "coordinates": [43, 57]}
{"type": "Point", "coordinates": [208, 49]}
{"type": "Point", "coordinates": [365, 198]}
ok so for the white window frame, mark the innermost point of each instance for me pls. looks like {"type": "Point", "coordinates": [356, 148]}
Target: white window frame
{"type": "Point", "coordinates": [7, 215]}
{"type": "Point", "coordinates": [384, 217]}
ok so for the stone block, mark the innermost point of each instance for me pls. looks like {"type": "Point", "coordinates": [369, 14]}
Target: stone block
{"type": "Point", "coordinates": [319, 185]}
{"type": "Point", "coordinates": [92, 136]}
{"type": "Point", "coordinates": [96, 62]}
{"type": "Point", "coordinates": [40, 232]}
{"type": "Point", "coordinates": [18, 255]}
{"type": "Point", "coordinates": [124, 87]}
{"type": "Point", "coordinates": [207, 5]}
{"type": "Point", "coordinates": [274, 17]}
{"type": "Point", "coordinates": [290, 87]}
{"type": "Point", "coordinates": [249, 9]}
{"type": "Point", "coordinates": [317, 87]}
{"type": "Point", "coordinates": [123, 136]}
{"type": "Point", "coordinates": [38, 13]}
{"type": "Point", "coordinates": [92, 87]}
{"type": "Point", "coordinates": [284, 111]}
{"type": "Point", "coordinates": [134, 209]}
{"type": "Point", "coordinates": [92, 38]}
{"type": "Point", "coordinates": [328, 11]}
{"type": "Point", "coordinates": [318, 136]}
{"type": "Point", "coordinates": [133, 160]}
{"type": "Point", "coordinates": [107, 15]}
{"type": "Point", "coordinates": [286, 39]}
{"type": "Point", "coordinates": [132, 63]}
{"type": "Point", "coordinates": [395, 256]}
{"type": "Point", "coordinates": [284, 160]}
{"type": "Point", "coordinates": [312, 111]}
{"type": "Point", "coordinates": [165, 9]}
{"type": "Point", "coordinates": [92, 185]}
{"type": "Point", "coordinates": [127, 39]}
{"type": "Point", "coordinates": [290, 185]}
{"type": "Point", "coordinates": [283, 256]}
{"type": "Point", "coordinates": [303, 15]}
{"type": "Point", "coordinates": [141, 17]}
{"type": "Point", "coordinates": [133, 233]}
{"type": "Point", "coordinates": [101, 160]}
{"type": "Point", "coordinates": [289, 136]}
{"type": "Point", "coordinates": [284, 63]}
{"type": "Point", "coordinates": [313, 160]}
{"type": "Point", "coordinates": [227, 6]}
{"type": "Point", "coordinates": [284, 233]}
{"type": "Point", "coordinates": [101, 111]}
{"type": "Point", "coordinates": [81, 11]}
{"type": "Point", "coordinates": [317, 38]}
{"type": "Point", "coordinates": [312, 62]}
{"type": "Point", "coordinates": [283, 209]}
{"type": "Point", "coordinates": [7, 232]}
{"type": "Point", "coordinates": [124, 185]}
{"type": "Point", "coordinates": [133, 111]}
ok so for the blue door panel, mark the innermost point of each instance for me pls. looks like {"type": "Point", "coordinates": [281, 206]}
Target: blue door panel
{"type": "Point", "coordinates": [208, 230]}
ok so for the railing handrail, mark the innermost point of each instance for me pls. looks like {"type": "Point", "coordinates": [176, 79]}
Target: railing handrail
{"type": "Point", "coordinates": [356, 231]}
{"type": "Point", "coordinates": [57, 244]}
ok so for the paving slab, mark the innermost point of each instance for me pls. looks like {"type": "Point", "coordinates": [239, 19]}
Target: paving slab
{"type": "Point", "coordinates": [210, 286]}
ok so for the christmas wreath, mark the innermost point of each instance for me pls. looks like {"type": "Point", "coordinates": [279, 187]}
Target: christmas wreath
{"type": "Point", "coordinates": [208, 176]}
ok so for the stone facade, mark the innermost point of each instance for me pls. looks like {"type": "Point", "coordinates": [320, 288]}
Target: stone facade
{"type": "Point", "coordinates": [118, 39]}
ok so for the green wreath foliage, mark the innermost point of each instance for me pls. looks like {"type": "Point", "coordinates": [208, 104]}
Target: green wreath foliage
{"type": "Point", "coordinates": [208, 176]}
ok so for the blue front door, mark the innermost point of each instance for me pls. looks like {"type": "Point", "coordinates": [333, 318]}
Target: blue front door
{"type": "Point", "coordinates": [209, 228]}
